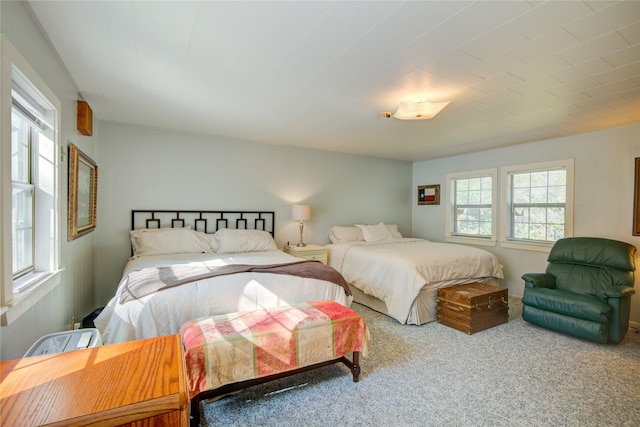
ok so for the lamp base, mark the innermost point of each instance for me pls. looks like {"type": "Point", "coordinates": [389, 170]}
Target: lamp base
{"type": "Point", "coordinates": [301, 243]}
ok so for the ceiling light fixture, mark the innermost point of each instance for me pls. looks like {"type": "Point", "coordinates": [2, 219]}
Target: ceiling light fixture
{"type": "Point", "coordinates": [417, 110]}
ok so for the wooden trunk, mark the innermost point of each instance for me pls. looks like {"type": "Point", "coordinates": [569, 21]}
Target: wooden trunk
{"type": "Point", "coordinates": [473, 307]}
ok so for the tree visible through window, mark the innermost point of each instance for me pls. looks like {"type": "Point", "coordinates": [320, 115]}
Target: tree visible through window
{"type": "Point", "coordinates": [22, 135]}
{"type": "Point", "coordinates": [473, 206]}
{"type": "Point", "coordinates": [34, 185]}
{"type": "Point", "coordinates": [538, 204]}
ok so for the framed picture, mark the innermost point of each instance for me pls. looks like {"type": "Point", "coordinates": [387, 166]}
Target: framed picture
{"type": "Point", "coordinates": [83, 193]}
{"type": "Point", "coordinates": [429, 194]}
{"type": "Point", "coordinates": [636, 198]}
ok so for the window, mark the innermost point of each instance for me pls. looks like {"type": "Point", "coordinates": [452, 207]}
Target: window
{"type": "Point", "coordinates": [30, 265]}
{"type": "Point", "coordinates": [22, 190]}
{"type": "Point", "coordinates": [539, 207]}
{"type": "Point", "coordinates": [471, 210]}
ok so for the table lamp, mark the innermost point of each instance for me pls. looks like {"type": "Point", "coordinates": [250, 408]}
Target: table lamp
{"type": "Point", "coordinates": [301, 213]}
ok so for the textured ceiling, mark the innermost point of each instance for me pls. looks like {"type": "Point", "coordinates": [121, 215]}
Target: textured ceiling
{"type": "Point", "coordinates": [318, 74]}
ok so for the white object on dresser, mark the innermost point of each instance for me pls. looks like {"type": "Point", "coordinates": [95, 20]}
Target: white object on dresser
{"type": "Point", "coordinates": [319, 253]}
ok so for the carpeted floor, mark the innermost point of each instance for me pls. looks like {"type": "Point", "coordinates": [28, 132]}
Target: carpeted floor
{"type": "Point", "coordinates": [514, 374]}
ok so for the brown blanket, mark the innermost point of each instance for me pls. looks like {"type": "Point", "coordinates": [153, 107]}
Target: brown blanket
{"type": "Point", "coordinates": [152, 279]}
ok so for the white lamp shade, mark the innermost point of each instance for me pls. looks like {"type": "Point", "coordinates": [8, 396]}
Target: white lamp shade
{"type": "Point", "coordinates": [301, 212]}
{"type": "Point", "coordinates": [419, 110]}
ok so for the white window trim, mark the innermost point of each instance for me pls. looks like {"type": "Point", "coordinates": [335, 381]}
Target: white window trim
{"type": "Point", "coordinates": [450, 200]}
{"type": "Point", "coordinates": [568, 164]}
{"type": "Point", "coordinates": [13, 305]}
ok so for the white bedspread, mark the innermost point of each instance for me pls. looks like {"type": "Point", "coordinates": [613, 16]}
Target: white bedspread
{"type": "Point", "coordinates": [164, 312]}
{"type": "Point", "coordinates": [395, 271]}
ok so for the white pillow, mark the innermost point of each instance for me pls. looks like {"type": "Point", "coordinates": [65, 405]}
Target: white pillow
{"type": "Point", "coordinates": [341, 234]}
{"type": "Point", "coordinates": [234, 241]}
{"type": "Point", "coordinates": [158, 241]}
{"type": "Point", "coordinates": [393, 229]}
{"type": "Point", "coordinates": [375, 233]}
{"type": "Point", "coordinates": [211, 240]}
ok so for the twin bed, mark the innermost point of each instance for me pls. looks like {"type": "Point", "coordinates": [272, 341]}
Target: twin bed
{"type": "Point", "coordinates": [400, 276]}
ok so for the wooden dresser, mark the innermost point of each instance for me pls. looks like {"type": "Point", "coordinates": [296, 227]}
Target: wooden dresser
{"type": "Point", "coordinates": [137, 383]}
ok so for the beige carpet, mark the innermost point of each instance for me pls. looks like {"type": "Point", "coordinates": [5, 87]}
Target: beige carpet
{"type": "Point", "coordinates": [514, 374]}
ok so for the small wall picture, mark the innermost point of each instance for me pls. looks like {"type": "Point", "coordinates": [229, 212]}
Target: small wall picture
{"type": "Point", "coordinates": [429, 194]}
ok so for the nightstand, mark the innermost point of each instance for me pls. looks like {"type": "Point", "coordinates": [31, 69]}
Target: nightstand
{"type": "Point", "coordinates": [309, 252]}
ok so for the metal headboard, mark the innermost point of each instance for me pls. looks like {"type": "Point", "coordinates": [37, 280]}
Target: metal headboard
{"type": "Point", "coordinates": [206, 221]}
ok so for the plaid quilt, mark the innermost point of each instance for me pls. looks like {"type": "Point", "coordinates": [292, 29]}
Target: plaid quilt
{"type": "Point", "coordinates": [240, 346]}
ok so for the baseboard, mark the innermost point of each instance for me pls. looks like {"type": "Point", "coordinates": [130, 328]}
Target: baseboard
{"type": "Point", "coordinates": [634, 325]}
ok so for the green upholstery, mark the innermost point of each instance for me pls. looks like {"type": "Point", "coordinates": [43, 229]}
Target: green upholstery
{"type": "Point", "coordinates": [586, 290]}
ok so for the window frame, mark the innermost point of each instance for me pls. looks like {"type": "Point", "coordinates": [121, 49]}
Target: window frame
{"type": "Point", "coordinates": [450, 235]}
{"type": "Point", "coordinates": [506, 204]}
{"type": "Point", "coordinates": [16, 71]}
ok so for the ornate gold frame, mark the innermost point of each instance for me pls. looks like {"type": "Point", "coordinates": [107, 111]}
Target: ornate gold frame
{"type": "Point", "coordinates": [83, 193]}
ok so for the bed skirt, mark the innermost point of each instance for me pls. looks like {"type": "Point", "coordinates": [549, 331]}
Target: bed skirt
{"type": "Point", "coordinates": [424, 308]}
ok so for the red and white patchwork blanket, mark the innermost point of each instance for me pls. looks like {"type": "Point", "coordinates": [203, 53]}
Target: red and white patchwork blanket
{"type": "Point", "coordinates": [234, 347]}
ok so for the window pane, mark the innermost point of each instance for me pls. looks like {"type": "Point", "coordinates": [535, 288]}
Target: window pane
{"type": "Point", "coordinates": [539, 179]}
{"type": "Point", "coordinates": [521, 180]}
{"type": "Point", "coordinates": [555, 232]}
{"type": "Point", "coordinates": [555, 216]}
{"type": "Point", "coordinates": [537, 211]}
{"type": "Point", "coordinates": [474, 197]}
{"type": "Point", "coordinates": [472, 206]}
{"type": "Point", "coordinates": [22, 202]}
{"type": "Point", "coordinates": [20, 150]}
{"type": "Point", "coordinates": [558, 177]}
{"type": "Point", "coordinates": [539, 195]}
{"type": "Point", "coordinates": [485, 215]}
{"type": "Point", "coordinates": [558, 194]}
{"type": "Point", "coordinates": [22, 228]}
{"type": "Point", "coordinates": [462, 197]}
{"type": "Point", "coordinates": [521, 195]}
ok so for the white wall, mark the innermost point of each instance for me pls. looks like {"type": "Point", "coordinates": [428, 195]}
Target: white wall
{"type": "Point", "coordinates": [74, 296]}
{"type": "Point", "coordinates": [142, 168]}
{"type": "Point", "coordinates": [604, 175]}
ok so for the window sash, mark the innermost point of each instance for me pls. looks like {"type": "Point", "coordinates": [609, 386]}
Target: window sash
{"type": "Point", "coordinates": [536, 221]}
{"type": "Point", "coordinates": [23, 231]}
{"type": "Point", "coordinates": [473, 219]}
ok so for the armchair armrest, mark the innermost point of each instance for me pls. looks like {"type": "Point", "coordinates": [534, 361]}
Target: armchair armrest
{"type": "Point", "coordinates": [539, 280]}
{"type": "Point", "coordinates": [618, 291]}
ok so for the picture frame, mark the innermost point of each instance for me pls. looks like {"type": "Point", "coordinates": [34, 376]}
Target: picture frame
{"type": "Point", "coordinates": [429, 194]}
{"type": "Point", "coordinates": [636, 199]}
{"type": "Point", "coordinates": [83, 193]}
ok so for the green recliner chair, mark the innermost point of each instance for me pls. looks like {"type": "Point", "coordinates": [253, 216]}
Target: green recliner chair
{"type": "Point", "coordinates": [586, 290]}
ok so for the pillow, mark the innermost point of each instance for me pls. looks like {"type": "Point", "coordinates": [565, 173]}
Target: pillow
{"type": "Point", "coordinates": [375, 233]}
{"type": "Point", "coordinates": [393, 229]}
{"type": "Point", "coordinates": [158, 241]}
{"type": "Point", "coordinates": [340, 234]}
{"type": "Point", "coordinates": [211, 240]}
{"type": "Point", "coordinates": [234, 241]}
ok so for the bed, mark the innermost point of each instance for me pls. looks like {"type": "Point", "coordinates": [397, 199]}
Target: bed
{"type": "Point", "coordinates": [400, 276]}
{"type": "Point", "coordinates": [190, 264]}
